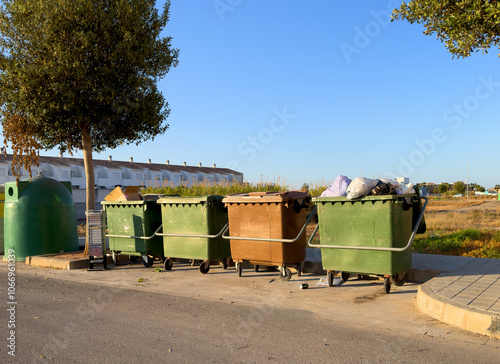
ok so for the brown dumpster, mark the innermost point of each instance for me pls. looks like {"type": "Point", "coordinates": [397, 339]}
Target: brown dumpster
{"type": "Point", "coordinates": [268, 229]}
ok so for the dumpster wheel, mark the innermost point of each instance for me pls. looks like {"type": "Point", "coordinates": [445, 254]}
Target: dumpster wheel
{"type": "Point", "coordinates": [204, 267]}
{"type": "Point", "coordinates": [329, 277]}
{"type": "Point", "coordinates": [133, 258]}
{"type": "Point", "coordinates": [226, 262]}
{"type": "Point", "coordinates": [345, 276]}
{"type": "Point", "coordinates": [387, 284]}
{"type": "Point", "coordinates": [285, 273]}
{"type": "Point", "coordinates": [256, 268]}
{"type": "Point", "coordinates": [239, 268]}
{"type": "Point", "coordinates": [399, 279]}
{"type": "Point", "coordinates": [147, 261]}
{"type": "Point", "coordinates": [168, 263]}
{"type": "Point", "coordinates": [114, 256]}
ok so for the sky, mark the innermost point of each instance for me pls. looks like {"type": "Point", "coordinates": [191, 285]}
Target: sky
{"type": "Point", "coordinates": [300, 92]}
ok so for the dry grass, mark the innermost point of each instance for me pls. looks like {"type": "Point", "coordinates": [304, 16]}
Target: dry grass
{"type": "Point", "coordinates": [454, 221]}
{"type": "Point", "coordinates": [459, 214]}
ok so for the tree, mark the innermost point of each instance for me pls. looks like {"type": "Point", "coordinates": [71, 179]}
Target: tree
{"type": "Point", "coordinates": [459, 187]}
{"type": "Point", "coordinates": [464, 26]}
{"type": "Point", "coordinates": [497, 187]}
{"type": "Point", "coordinates": [82, 75]}
{"type": "Point", "coordinates": [443, 188]}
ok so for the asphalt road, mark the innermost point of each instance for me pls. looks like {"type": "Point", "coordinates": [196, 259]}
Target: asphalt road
{"type": "Point", "coordinates": [98, 317]}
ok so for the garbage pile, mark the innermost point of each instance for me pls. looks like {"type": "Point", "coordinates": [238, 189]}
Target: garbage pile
{"type": "Point", "coordinates": [359, 187]}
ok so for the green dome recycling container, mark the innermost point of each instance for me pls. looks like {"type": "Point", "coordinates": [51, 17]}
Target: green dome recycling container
{"type": "Point", "coordinates": [2, 199]}
{"type": "Point", "coordinates": [39, 218]}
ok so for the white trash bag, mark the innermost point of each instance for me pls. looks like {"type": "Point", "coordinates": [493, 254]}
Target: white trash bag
{"type": "Point", "coordinates": [360, 187]}
{"type": "Point", "coordinates": [337, 188]}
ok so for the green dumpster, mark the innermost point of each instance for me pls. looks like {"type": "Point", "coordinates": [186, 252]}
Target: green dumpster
{"type": "Point", "coordinates": [192, 229]}
{"type": "Point", "coordinates": [131, 229]}
{"type": "Point", "coordinates": [371, 235]}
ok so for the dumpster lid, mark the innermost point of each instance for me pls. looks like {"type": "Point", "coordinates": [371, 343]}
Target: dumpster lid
{"type": "Point", "coordinates": [190, 199]}
{"type": "Point", "coordinates": [265, 197]}
{"type": "Point", "coordinates": [131, 193]}
{"type": "Point", "coordinates": [140, 202]}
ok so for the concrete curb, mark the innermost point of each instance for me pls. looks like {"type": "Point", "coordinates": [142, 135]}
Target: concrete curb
{"type": "Point", "coordinates": [453, 313]}
{"type": "Point", "coordinates": [48, 261]}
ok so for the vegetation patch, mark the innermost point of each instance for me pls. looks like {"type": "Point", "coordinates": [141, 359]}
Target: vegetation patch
{"type": "Point", "coordinates": [221, 189]}
{"type": "Point", "coordinates": [466, 243]}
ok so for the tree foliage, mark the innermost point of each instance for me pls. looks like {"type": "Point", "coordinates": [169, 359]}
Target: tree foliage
{"type": "Point", "coordinates": [82, 75]}
{"type": "Point", "coordinates": [443, 187]}
{"type": "Point", "coordinates": [465, 26]}
{"type": "Point", "coordinates": [67, 66]}
{"type": "Point", "coordinates": [26, 149]}
{"type": "Point", "coordinates": [459, 187]}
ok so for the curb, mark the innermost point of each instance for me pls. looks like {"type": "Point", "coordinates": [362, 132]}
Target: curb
{"type": "Point", "coordinates": [456, 314]}
{"type": "Point", "coordinates": [48, 262]}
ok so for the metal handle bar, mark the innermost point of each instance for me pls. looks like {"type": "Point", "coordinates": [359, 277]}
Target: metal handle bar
{"type": "Point", "coordinates": [410, 242]}
{"type": "Point", "coordinates": [135, 237]}
{"type": "Point", "coordinates": [273, 240]}
{"type": "Point", "coordinates": [224, 228]}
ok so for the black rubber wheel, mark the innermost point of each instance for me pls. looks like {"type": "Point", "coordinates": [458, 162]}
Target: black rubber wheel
{"type": "Point", "coordinates": [285, 274]}
{"type": "Point", "coordinates": [397, 280]}
{"type": "Point", "coordinates": [168, 263]}
{"type": "Point", "coordinates": [387, 284]}
{"type": "Point", "coordinates": [256, 268]}
{"type": "Point", "coordinates": [329, 278]}
{"type": "Point", "coordinates": [204, 267]}
{"type": "Point", "coordinates": [114, 256]}
{"type": "Point", "coordinates": [239, 269]}
{"type": "Point", "coordinates": [225, 263]}
{"type": "Point", "coordinates": [299, 270]}
{"type": "Point", "coordinates": [345, 276]}
{"type": "Point", "coordinates": [147, 261]}
{"type": "Point", "coordinates": [133, 258]}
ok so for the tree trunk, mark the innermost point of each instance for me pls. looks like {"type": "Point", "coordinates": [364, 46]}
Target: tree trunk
{"type": "Point", "coordinates": [89, 176]}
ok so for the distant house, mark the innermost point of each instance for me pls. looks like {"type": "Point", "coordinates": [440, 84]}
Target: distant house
{"type": "Point", "coordinates": [109, 174]}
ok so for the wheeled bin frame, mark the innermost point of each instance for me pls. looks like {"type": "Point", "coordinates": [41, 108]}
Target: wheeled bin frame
{"type": "Point", "coordinates": [398, 278]}
{"type": "Point", "coordinates": [144, 247]}
{"type": "Point", "coordinates": [283, 266]}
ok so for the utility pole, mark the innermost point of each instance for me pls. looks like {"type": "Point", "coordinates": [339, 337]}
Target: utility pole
{"type": "Point", "coordinates": [467, 180]}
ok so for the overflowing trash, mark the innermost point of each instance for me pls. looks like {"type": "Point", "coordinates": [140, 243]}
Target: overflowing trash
{"type": "Point", "coordinates": [338, 188]}
{"type": "Point", "coordinates": [360, 186]}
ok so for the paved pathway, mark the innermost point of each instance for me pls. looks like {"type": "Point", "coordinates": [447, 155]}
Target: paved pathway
{"type": "Point", "coordinates": [466, 293]}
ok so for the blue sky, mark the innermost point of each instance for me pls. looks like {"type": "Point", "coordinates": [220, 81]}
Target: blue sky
{"type": "Point", "coordinates": [305, 91]}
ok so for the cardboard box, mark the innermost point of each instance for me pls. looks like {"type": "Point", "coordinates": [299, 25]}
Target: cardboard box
{"type": "Point", "coordinates": [131, 193]}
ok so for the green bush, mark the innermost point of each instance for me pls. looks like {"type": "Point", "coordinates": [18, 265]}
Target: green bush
{"type": "Point", "coordinates": [222, 189]}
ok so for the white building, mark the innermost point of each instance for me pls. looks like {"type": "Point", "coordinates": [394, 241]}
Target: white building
{"type": "Point", "coordinates": [402, 180]}
{"type": "Point", "coordinates": [109, 174]}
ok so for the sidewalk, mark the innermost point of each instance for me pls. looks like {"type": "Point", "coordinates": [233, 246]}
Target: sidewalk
{"type": "Point", "coordinates": [461, 291]}
{"type": "Point", "coordinates": [466, 293]}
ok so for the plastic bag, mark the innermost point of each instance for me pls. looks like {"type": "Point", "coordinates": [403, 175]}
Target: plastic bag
{"type": "Point", "coordinates": [360, 187]}
{"type": "Point", "coordinates": [383, 188]}
{"type": "Point", "coordinates": [405, 189]}
{"type": "Point", "coordinates": [337, 188]}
